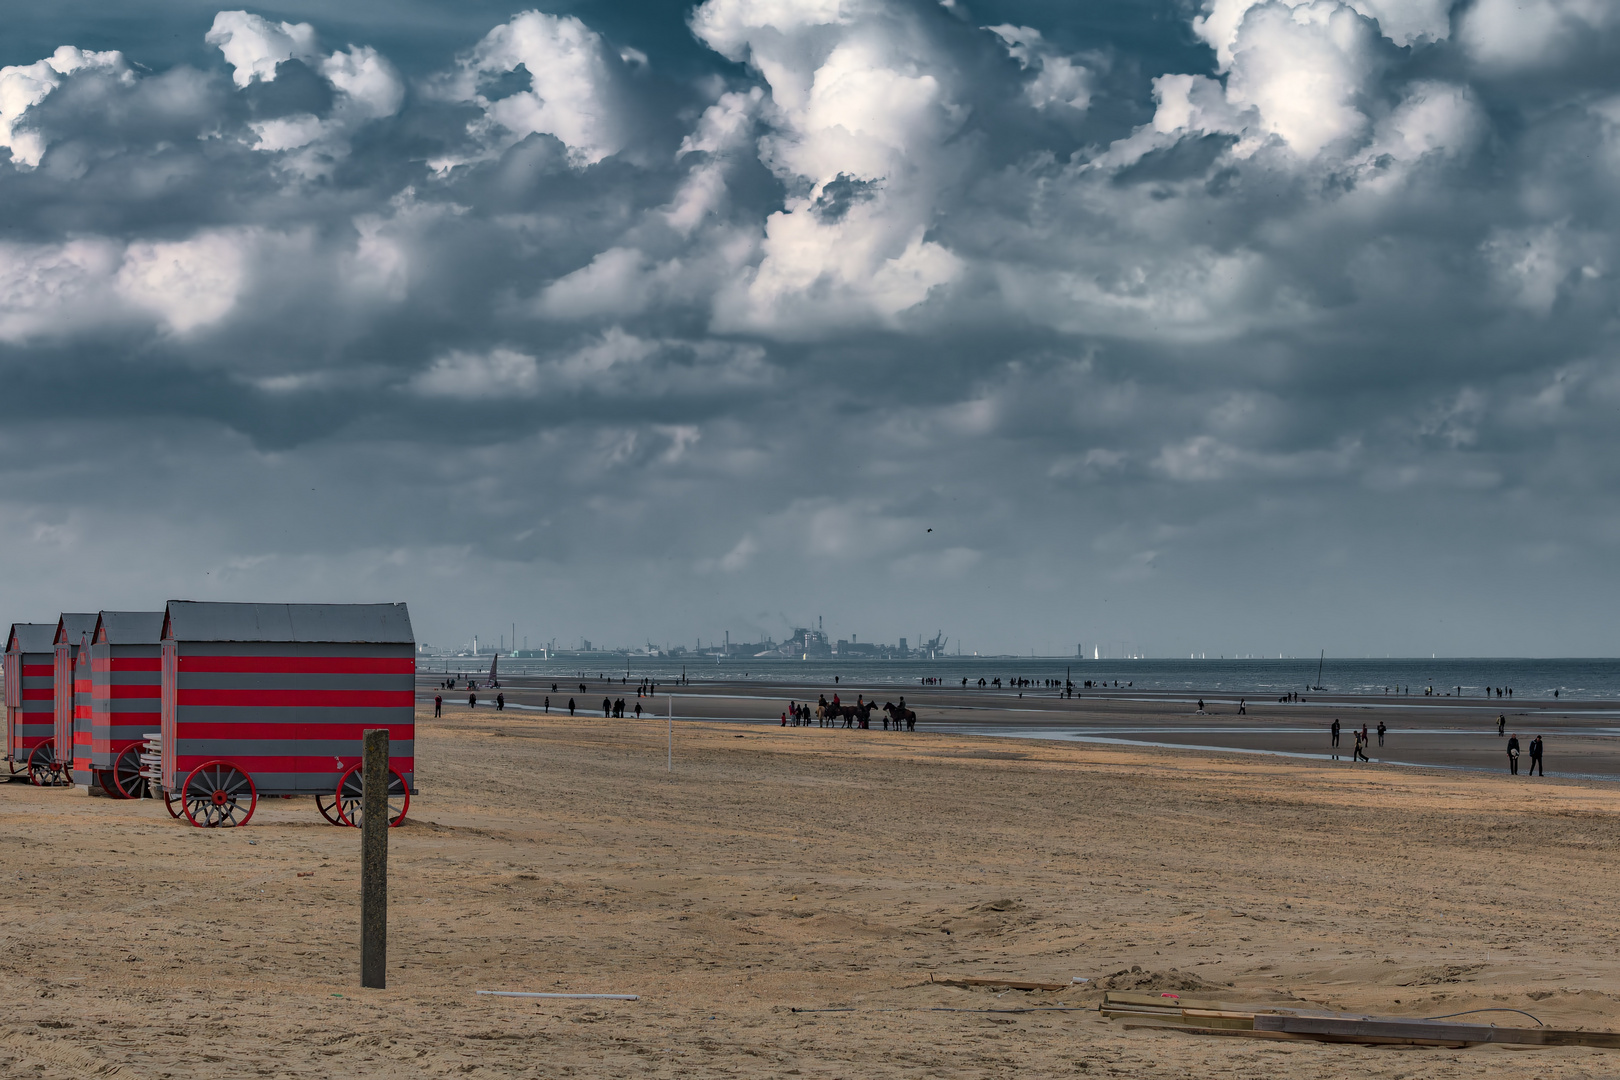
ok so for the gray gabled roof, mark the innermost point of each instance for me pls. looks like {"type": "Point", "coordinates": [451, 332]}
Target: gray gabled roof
{"type": "Point", "coordinates": [201, 620]}
{"type": "Point", "coordinates": [130, 627]}
{"type": "Point", "coordinates": [74, 626]}
{"type": "Point", "coordinates": [32, 637]}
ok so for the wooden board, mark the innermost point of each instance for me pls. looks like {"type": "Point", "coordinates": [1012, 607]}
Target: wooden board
{"type": "Point", "coordinates": [1011, 984]}
{"type": "Point", "coordinates": [1196, 1017]}
{"type": "Point", "coordinates": [1352, 1029]}
{"type": "Point", "coordinates": [1136, 1000]}
{"type": "Point", "coordinates": [1247, 1033]}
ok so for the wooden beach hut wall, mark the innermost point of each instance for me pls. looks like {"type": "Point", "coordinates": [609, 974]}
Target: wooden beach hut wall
{"type": "Point", "coordinates": [30, 690]}
{"type": "Point", "coordinates": [73, 630]}
{"type": "Point", "coordinates": [284, 692]}
{"type": "Point", "coordinates": [126, 697]}
{"type": "Point", "coordinates": [83, 682]}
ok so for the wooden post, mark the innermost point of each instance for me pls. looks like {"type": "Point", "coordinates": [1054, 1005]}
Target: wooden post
{"type": "Point", "coordinates": [374, 862]}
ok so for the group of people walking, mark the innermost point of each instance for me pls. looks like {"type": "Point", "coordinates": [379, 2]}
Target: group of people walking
{"type": "Point", "coordinates": [1363, 740]}
{"type": "Point", "coordinates": [1513, 754]}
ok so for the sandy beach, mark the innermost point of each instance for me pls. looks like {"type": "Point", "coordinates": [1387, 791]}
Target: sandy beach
{"type": "Point", "coordinates": [775, 870]}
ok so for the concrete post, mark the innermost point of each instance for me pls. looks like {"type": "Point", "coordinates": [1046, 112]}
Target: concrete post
{"type": "Point", "coordinates": [374, 862]}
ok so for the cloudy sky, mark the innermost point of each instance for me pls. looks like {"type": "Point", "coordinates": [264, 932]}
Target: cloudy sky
{"type": "Point", "coordinates": [1249, 327]}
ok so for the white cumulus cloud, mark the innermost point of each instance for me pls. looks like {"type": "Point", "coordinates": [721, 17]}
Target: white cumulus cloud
{"type": "Point", "coordinates": [254, 46]}
{"type": "Point", "coordinates": [573, 92]}
{"type": "Point", "coordinates": [187, 283]}
{"type": "Point", "coordinates": [22, 86]}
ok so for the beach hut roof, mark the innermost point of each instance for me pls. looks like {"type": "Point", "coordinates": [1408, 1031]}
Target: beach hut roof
{"type": "Point", "coordinates": [31, 637]}
{"type": "Point", "coordinates": [201, 620]}
{"type": "Point", "coordinates": [73, 626]}
{"type": "Point", "coordinates": [129, 627]}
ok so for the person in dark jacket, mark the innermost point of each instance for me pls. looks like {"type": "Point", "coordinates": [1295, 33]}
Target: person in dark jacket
{"type": "Point", "coordinates": [1513, 754]}
{"type": "Point", "coordinates": [607, 707]}
{"type": "Point", "coordinates": [570, 706]}
{"type": "Point", "coordinates": [1535, 757]}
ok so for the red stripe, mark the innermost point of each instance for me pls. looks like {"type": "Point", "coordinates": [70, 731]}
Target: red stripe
{"type": "Point", "coordinates": [198, 730]}
{"type": "Point", "coordinates": [303, 665]}
{"type": "Point", "coordinates": [292, 699]}
{"type": "Point", "coordinates": [117, 691]}
{"type": "Point", "coordinates": [39, 695]}
{"type": "Point", "coordinates": [137, 663]}
{"type": "Point", "coordinates": [37, 670]}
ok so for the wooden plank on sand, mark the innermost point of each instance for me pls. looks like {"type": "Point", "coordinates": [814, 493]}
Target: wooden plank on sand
{"type": "Point", "coordinates": [1197, 1017]}
{"type": "Point", "coordinates": [1156, 1001]}
{"type": "Point", "coordinates": [1349, 1029]}
{"type": "Point", "coordinates": [1011, 984]}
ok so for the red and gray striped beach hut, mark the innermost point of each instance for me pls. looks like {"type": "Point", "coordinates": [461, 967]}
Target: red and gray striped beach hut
{"type": "Point", "coordinates": [274, 699]}
{"type": "Point", "coordinates": [126, 697]}
{"type": "Point", "coordinates": [73, 632]}
{"type": "Point", "coordinates": [31, 701]}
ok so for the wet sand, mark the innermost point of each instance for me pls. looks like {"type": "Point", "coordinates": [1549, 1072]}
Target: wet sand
{"type": "Point", "coordinates": [1582, 739]}
{"type": "Point", "coordinates": [779, 869]}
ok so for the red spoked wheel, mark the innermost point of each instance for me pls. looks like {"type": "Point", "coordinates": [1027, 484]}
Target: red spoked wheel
{"type": "Point", "coordinates": [104, 780]}
{"type": "Point", "coordinates": [218, 795]}
{"type": "Point", "coordinates": [16, 766]}
{"type": "Point", "coordinates": [328, 806]}
{"type": "Point", "coordinates": [351, 790]}
{"type": "Point", "coordinates": [171, 803]}
{"type": "Point", "coordinates": [126, 773]}
{"type": "Point", "coordinates": [43, 768]}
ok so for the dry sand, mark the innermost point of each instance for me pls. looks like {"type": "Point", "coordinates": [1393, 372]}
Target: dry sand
{"type": "Point", "coordinates": [780, 869]}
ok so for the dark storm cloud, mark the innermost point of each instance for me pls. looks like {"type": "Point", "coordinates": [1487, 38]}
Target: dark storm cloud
{"type": "Point", "coordinates": [1246, 329]}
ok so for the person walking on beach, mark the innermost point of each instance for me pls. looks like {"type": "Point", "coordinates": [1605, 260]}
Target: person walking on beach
{"type": "Point", "coordinates": [472, 701]}
{"type": "Point", "coordinates": [1535, 757]}
{"type": "Point", "coordinates": [500, 702]}
{"type": "Point", "coordinates": [1360, 753]}
{"type": "Point", "coordinates": [438, 705]}
{"type": "Point", "coordinates": [1366, 739]}
{"type": "Point", "coordinates": [1381, 730]}
{"type": "Point", "coordinates": [1243, 706]}
{"type": "Point", "coordinates": [548, 704]}
{"type": "Point", "coordinates": [1501, 726]}
{"type": "Point", "coordinates": [607, 708]}
{"type": "Point", "coordinates": [570, 706]}
{"type": "Point", "coordinates": [1335, 732]}
{"type": "Point", "coordinates": [1513, 755]}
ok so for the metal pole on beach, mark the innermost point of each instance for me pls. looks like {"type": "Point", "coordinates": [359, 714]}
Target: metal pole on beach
{"type": "Point", "coordinates": [374, 862]}
{"type": "Point", "coordinates": [669, 765]}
